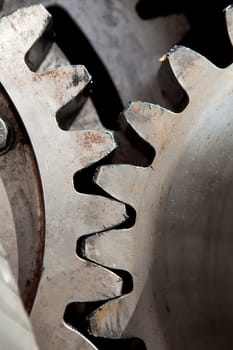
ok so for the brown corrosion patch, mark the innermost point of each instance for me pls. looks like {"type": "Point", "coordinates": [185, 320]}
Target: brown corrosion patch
{"type": "Point", "coordinates": [91, 138]}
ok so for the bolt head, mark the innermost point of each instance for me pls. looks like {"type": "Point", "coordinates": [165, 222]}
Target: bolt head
{"type": "Point", "coordinates": [4, 131]}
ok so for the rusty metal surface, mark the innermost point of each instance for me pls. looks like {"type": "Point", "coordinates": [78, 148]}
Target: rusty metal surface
{"type": "Point", "coordinates": [129, 47]}
{"type": "Point", "coordinates": [87, 118]}
{"type": "Point", "coordinates": [59, 155]}
{"type": "Point", "coordinates": [179, 251]}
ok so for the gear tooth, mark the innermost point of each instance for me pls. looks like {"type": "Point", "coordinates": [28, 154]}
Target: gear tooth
{"type": "Point", "coordinates": [229, 21]}
{"type": "Point", "coordinates": [99, 213]}
{"type": "Point", "coordinates": [139, 115]}
{"type": "Point", "coordinates": [188, 64]}
{"type": "Point", "coordinates": [28, 22]}
{"type": "Point", "coordinates": [152, 122]}
{"type": "Point", "coordinates": [108, 321]}
{"type": "Point", "coordinates": [112, 248]}
{"type": "Point", "coordinates": [94, 145]}
{"type": "Point", "coordinates": [104, 284]}
{"type": "Point", "coordinates": [126, 191]}
{"type": "Point", "coordinates": [65, 83]}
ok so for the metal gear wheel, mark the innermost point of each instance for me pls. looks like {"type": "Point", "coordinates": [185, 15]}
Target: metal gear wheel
{"type": "Point", "coordinates": [179, 251]}
{"type": "Point", "coordinates": [42, 166]}
{"type": "Point", "coordinates": [113, 28]}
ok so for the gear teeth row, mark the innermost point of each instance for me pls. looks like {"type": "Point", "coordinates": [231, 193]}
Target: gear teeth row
{"type": "Point", "coordinates": [97, 247]}
{"type": "Point", "coordinates": [59, 155]}
{"type": "Point", "coordinates": [157, 126]}
{"type": "Point", "coordinates": [61, 86]}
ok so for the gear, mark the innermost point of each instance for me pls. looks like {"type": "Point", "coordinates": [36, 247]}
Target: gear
{"type": "Point", "coordinates": [179, 250]}
{"type": "Point", "coordinates": [39, 98]}
{"type": "Point", "coordinates": [105, 24]}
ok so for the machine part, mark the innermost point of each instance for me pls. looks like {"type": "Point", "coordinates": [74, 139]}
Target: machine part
{"type": "Point", "coordinates": [47, 328]}
{"type": "Point", "coordinates": [108, 18]}
{"type": "Point", "coordinates": [85, 117]}
{"type": "Point", "coordinates": [179, 250]}
{"type": "Point", "coordinates": [59, 154]}
{"type": "Point", "coordinates": [15, 328]}
{"type": "Point", "coordinates": [129, 47]}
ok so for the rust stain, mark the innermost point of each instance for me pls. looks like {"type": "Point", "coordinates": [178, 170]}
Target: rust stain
{"type": "Point", "coordinates": [91, 138]}
{"type": "Point", "coordinates": [108, 309]}
{"type": "Point", "coordinates": [109, 318]}
{"type": "Point", "coordinates": [57, 73]}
